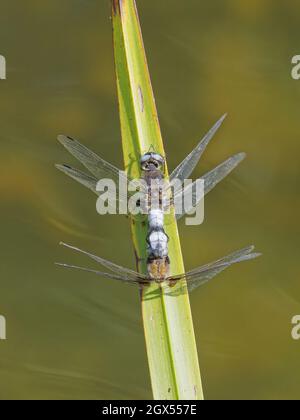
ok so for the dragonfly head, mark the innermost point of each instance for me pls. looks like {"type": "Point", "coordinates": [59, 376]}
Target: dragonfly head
{"type": "Point", "coordinates": [152, 162]}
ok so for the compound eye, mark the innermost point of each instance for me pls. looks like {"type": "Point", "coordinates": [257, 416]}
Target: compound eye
{"type": "Point", "coordinates": [160, 164]}
{"type": "Point", "coordinates": [145, 161]}
{"type": "Point", "coordinates": [159, 160]}
{"type": "Point", "coordinates": [145, 166]}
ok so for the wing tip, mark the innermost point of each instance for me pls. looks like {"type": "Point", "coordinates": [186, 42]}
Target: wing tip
{"type": "Point", "coordinates": [256, 254]}
{"type": "Point", "coordinates": [61, 243]}
{"type": "Point", "coordinates": [219, 122]}
{"type": "Point", "coordinates": [216, 126]}
{"type": "Point", "coordinates": [223, 118]}
{"type": "Point", "coordinates": [59, 264]}
{"type": "Point", "coordinates": [250, 255]}
{"type": "Point", "coordinates": [63, 139]}
{"type": "Point", "coordinates": [250, 251]}
{"type": "Point", "coordinates": [61, 166]}
{"type": "Point", "coordinates": [241, 156]}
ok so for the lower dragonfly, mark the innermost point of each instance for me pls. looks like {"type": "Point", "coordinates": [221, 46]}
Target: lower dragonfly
{"type": "Point", "coordinates": [194, 278]}
{"type": "Point", "coordinates": [152, 167]}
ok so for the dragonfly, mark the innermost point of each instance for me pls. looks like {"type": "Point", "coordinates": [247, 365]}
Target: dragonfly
{"type": "Point", "coordinates": [100, 169]}
{"type": "Point", "coordinates": [194, 278]}
{"type": "Point", "coordinates": [152, 166]}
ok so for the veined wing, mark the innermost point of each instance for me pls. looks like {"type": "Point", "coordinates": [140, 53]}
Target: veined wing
{"type": "Point", "coordinates": [194, 278]}
{"type": "Point", "coordinates": [211, 179]}
{"type": "Point", "coordinates": [87, 180]}
{"type": "Point", "coordinates": [111, 276]}
{"type": "Point", "coordinates": [99, 168]}
{"type": "Point", "coordinates": [186, 167]}
{"type": "Point", "coordinates": [125, 273]}
{"type": "Point", "coordinates": [228, 258]}
{"type": "Point", "coordinates": [214, 177]}
{"type": "Point", "coordinates": [202, 275]}
{"type": "Point", "coordinates": [91, 182]}
{"type": "Point", "coordinates": [95, 164]}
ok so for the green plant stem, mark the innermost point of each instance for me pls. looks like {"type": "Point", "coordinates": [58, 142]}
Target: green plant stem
{"type": "Point", "coordinates": [168, 326]}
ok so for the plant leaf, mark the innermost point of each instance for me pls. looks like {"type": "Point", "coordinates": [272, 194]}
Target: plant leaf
{"type": "Point", "coordinates": [169, 333]}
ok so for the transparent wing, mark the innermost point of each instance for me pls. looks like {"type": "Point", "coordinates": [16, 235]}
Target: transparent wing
{"type": "Point", "coordinates": [194, 278]}
{"type": "Point", "coordinates": [214, 177]}
{"type": "Point", "coordinates": [110, 276]}
{"type": "Point", "coordinates": [98, 167]}
{"type": "Point", "coordinates": [125, 273]}
{"type": "Point", "coordinates": [88, 181]}
{"type": "Point", "coordinates": [228, 258]}
{"type": "Point", "coordinates": [186, 167]}
{"type": "Point", "coordinates": [211, 179]}
{"type": "Point", "coordinates": [91, 183]}
{"type": "Point", "coordinates": [202, 275]}
{"type": "Point", "coordinates": [95, 164]}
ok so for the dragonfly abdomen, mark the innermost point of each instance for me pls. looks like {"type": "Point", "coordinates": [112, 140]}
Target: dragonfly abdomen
{"type": "Point", "coordinates": [158, 258]}
{"type": "Point", "coordinates": [156, 220]}
{"type": "Point", "coordinates": [157, 237]}
{"type": "Point", "coordinates": [158, 244]}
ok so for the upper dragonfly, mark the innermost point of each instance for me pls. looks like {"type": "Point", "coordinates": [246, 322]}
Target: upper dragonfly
{"type": "Point", "coordinates": [152, 167]}
{"type": "Point", "coordinates": [99, 169]}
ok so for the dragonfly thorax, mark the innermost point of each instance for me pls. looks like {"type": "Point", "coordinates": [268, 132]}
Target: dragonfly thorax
{"type": "Point", "coordinates": [159, 269]}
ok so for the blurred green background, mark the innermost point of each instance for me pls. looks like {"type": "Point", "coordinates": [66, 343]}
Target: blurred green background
{"type": "Point", "coordinates": [71, 335]}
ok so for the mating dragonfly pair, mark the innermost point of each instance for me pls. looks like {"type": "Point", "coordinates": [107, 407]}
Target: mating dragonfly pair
{"type": "Point", "coordinates": [152, 167]}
